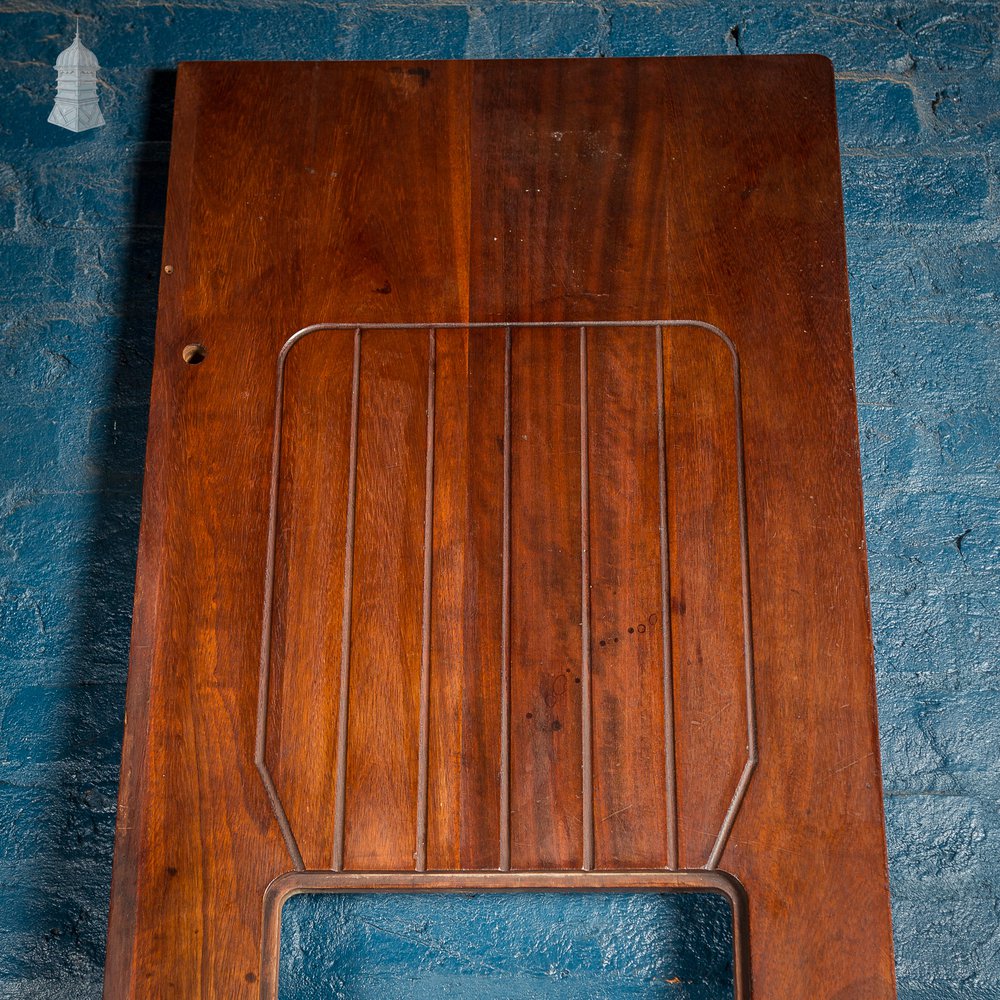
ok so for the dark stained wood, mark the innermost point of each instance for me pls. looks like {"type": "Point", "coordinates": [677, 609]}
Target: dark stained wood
{"type": "Point", "coordinates": [630, 813]}
{"type": "Point", "coordinates": [464, 731]}
{"type": "Point", "coordinates": [755, 230]}
{"type": "Point", "coordinates": [311, 225]}
{"type": "Point", "coordinates": [572, 191]}
{"type": "Point", "coordinates": [546, 823]}
{"type": "Point", "coordinates": [383, 715]}
{"type": "Point", "coordinates": [710, 716]}
{"type": "Point", "coordinates": [567, 224]}
{"type": "Point", "coordinates": [309, 585]}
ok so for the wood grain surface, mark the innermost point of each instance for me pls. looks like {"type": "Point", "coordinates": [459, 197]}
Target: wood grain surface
{"type": "Point", "coordinates": [520, 669]}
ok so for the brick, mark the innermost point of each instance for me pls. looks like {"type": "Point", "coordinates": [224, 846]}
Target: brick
{"type": "Point", "coordinates": [35, 274]}
{"type": "Point", "coordinates": [917, 189]}
{"type": "Point", "coordinates": [29, 446]}
{"type": "Point", "coordinates": [125, 259]}
{"type": "Point", "coordinates": [10, 196]}
{"type": "Point", "coordinates": [969, 442]}
{"type": "Point", "coordinates": [407, 33]}
{"type": "Point", "coordinates": [914, 362]}
{"type": "Point", "coordinates": [855, 35]}
{"type": "Point", "coordinates": [871, 36]}
{"type": "Point", "coordinates": [67, 563]}
{"type": "Point", "coordinates": [60, 361]}
{"type": "Point", "coordinates": [29, 91]}
{"type": "Point", "coordinates": [497, 946]}
{"type": "Point", "coordinates": [961, 929]}
{"type": "Point", "coordinates": [642, 30]}
{"type": "Point", "coordinates": [256, 30]}
{"type": "Point", "coordinates": [917, 634]}
{"type": "Point", "coordinates": [962, 728]}
{"type": "Point", "coordinates": [92, 194]}
{"type": "Point", "coordinates": [78, 723]}
{"type": "Point", "coordinates": [45, 535]}
{"type": "Point", "coordinates": [116, 446]}
{"type": "Point", "coordinates": [950, 35]}
{"type": "Point", "coordinates": [876, 113]}
{"type": "Point", "coordinates": [26, 36]}
{"type": "Point", "coordinates": [934, 543]}
{"type": "Point", "coordinates": [966, 110]}
{"type": "Point", "coordinates": [979, 268]}
{"type": "Point", "coordinates": [523, 30]}
{"type": "Point", "coordinates": [898, 275]}
{"type": "Point", "coordinates": [936, 727]}
{"type": "Point", "coordinates": [978, 633]}
{"type": "Point", "coordinates": [938, 990]}
{"type": "Point", "coordinates": [951, 842]}
{"type": "Point", "coordinates": [52, 933]}
{"type": "Point", "coordinates": [53, 826]}
{"type": "Point", "coordinates": [908, 687]}
{"type": "Point", "coordinates": [951, 450]}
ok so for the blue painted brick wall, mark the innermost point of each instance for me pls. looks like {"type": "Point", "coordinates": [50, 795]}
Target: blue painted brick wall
{"type": "Point", "coordinates": [80, 225]}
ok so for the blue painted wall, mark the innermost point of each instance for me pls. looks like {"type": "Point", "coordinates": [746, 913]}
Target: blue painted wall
{"type": "Point", "coordinates": [546, 946]}
{"type": "Point", "coordinates": [80, 225]}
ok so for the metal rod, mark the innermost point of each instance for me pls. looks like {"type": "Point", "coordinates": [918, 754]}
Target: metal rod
{"type": "Point", "coordinates": [616, 324]}
{"type": "Point", "coordinates": [585, 694]}
{"type": "Point", "coordinates": [748, 665]}
{"type": "Point", "coordinates": [264, 673]}
{"type": "Point", "coordinates": [345, 633]}
{"type": "Point", "coordinates": [505, 748]}
{"type": "Point", "coordinates": [425, 650]}
{"type": "Point", "coordinates": [669, 736]}
{"type": "Point", "coordinates": [505, 619]}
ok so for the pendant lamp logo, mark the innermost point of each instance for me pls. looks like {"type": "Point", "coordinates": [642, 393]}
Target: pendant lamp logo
{"type": "Point", "coordinates": [76, 107]}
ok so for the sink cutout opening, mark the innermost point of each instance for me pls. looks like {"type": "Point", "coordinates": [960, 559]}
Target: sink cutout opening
{"type": "Point", "coordinates": [507, 946]}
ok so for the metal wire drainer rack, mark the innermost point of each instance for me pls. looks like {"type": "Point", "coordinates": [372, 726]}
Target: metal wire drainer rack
{"type": "Point", "coordinates": [708, 878]}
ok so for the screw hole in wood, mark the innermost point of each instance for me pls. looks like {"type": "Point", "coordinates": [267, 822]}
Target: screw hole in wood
{"type": "Point", "coordinates": [194, 354]}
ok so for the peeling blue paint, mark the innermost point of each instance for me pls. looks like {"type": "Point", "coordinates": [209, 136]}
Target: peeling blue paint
{"type": "Point", "coordinates": [80, 225]}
